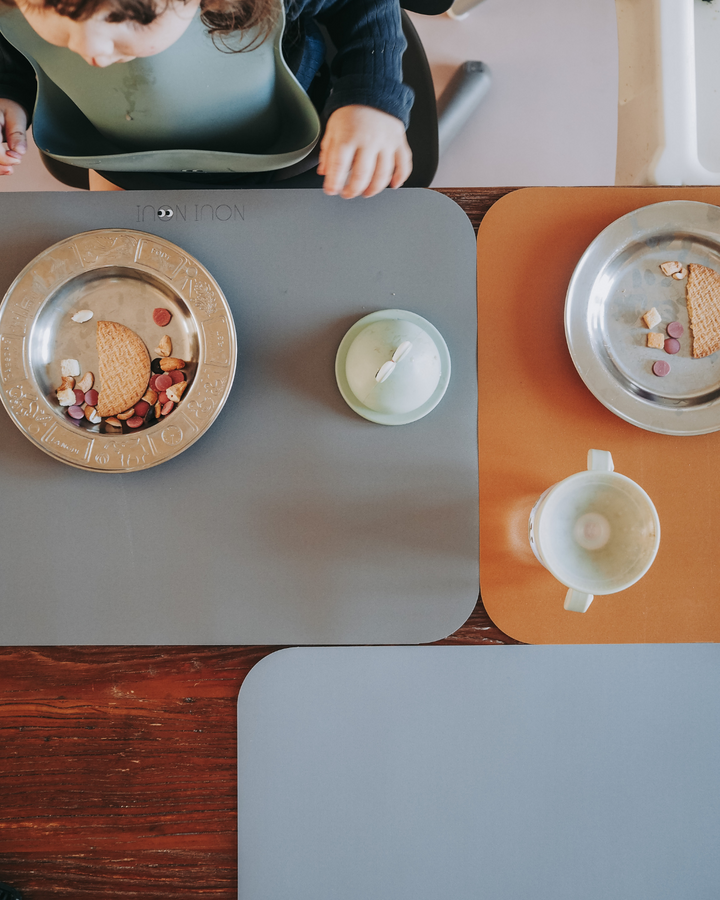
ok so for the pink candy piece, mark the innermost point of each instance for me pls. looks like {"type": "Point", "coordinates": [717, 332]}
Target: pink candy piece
{"type": "Point", "coordinates": [79, 396]}
{"type": "Point", "coordinates": [134, 421]}
{"type": "Point", "coordinates": [660, 367]}
{"type": "Point", "coordinates": [76, 412]}
{"type": "Point", "coordinates": [141, 407]}
{"type": "Point", "coordinates": [153, 379]}
{"type": "Point", "coordinates": [675, 330]}
{"type": "Point", "coordinates": [167, 408]}
{"type": "Point", "coordinates": [177, 375]}
{"type": "Point", "coordinates": [163, 397]}
{"type": "Point", "coordinates": [161, 316]}
{"type": "Point", "coordinates": [163, 382]}
{"type": "Point", "coordinates": [672, 345]}
{"type": "Point", "coordinates": [91, 397]}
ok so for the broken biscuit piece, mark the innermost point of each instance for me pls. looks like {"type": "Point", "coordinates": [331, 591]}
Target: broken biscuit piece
{"type": "Point", "coordinates": [124, 368]}
{"type": "Point", "coordinates": [652, 318]}
{"type": "Point", "coordinates": [703, 305]}
{"type": "Point", "coordinates": [655, 340]}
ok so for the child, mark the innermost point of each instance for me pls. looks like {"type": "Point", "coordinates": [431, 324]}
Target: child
{"type": "Point", "coordinates": [364, 148]}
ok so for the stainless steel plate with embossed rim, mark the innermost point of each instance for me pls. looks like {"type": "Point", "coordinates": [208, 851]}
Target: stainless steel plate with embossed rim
{"type": "Point", "coordinates": [121, 276]}
{"type": "Point", "coordinates": [617, 280]}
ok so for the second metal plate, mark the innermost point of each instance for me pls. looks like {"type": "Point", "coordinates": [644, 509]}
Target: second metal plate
{"type": "Point", "coordinates": [617, 280]}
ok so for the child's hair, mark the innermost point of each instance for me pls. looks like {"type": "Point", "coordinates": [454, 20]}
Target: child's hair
{"type": "Point", "coordinates": [222, 17]}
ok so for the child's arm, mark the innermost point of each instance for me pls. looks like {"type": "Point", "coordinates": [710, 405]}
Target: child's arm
{"type": "Point", "coordinates": [364, 148]}
{"type": "Point", "coordinates": [363, 151]}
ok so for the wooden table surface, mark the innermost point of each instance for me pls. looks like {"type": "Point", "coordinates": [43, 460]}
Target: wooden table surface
{"type": "Point", "coordinates": [118, 764]}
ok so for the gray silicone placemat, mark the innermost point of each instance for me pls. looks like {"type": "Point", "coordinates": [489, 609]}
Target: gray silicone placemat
{"type": "Point", "coordinates": [507, 773]}
{"type": "Point", "coordinates": [292, 520]}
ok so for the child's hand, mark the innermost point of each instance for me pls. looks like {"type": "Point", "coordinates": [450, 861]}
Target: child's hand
{"type": "Point", "coordinates": [363, 151]}
{"type": "Point", "coordinates": [13, 125]}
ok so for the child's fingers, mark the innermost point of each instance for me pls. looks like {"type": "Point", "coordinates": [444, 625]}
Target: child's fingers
{"type": "Point", "coordinates": [384, 169]}
{"type": "Point", "coordinates": [337, 163]}
{"type": "Point", "coordinates": [8, 159]}
{"type": "Point", "coordinates": [13, 120]}
{"type": "Point", "coordinates": [12, 154]}
{"type": "Point", "coordinates": [363, 169]}
{"type": "Point", "coordinates": [17, 144]}
{"type": "Point", "coordinates": [403, 167]}
{"type": "Point", "coordinates": [320, 169]}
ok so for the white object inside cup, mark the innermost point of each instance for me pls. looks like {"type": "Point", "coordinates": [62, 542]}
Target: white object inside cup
{"type": "Point", "coordinates": [591, 531]}
{"type": "Point", "coordinates": [597, 532]}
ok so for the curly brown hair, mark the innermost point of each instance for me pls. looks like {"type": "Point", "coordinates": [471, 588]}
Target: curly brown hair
{"type": "Point", "coordinates": [221, 17]}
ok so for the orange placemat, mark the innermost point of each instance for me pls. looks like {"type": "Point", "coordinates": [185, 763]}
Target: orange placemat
{"type": "Point", "coordinates": [537, 420]}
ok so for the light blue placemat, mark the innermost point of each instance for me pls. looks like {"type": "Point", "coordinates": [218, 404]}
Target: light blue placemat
{"type": "Point", "coordinates": [481, 773]}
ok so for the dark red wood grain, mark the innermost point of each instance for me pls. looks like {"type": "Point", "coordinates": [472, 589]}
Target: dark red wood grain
{"type": "Point", "coordinates": [117, 764]}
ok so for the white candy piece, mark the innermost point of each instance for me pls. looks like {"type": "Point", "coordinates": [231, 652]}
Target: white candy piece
{"type": "Point", "coordinates": [70, 367]}
{"type": "Point", "coordinates": [82, 315]}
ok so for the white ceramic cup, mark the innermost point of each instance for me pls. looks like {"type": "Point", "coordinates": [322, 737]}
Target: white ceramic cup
{"type": "Point", "coordinates": [597, 532]}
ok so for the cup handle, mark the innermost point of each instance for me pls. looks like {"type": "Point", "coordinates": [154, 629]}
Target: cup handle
{"type": "Point", "coordinates": [576, 601]}
{"type": "Point", "coordinates": [600, 461]}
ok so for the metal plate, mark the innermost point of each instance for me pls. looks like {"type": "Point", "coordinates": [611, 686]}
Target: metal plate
{"type": "Point", "coordinates": [120, 275]}
{"type": "Point", "coordinates": [618, 279]}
